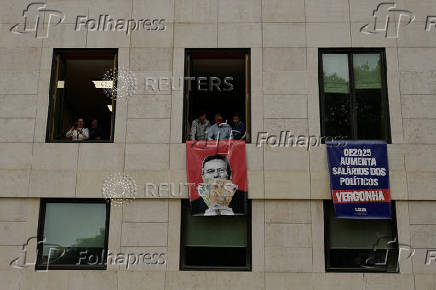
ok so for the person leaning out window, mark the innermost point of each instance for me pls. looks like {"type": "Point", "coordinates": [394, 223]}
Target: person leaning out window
{"type": "Point", "coordinates": [238, 128]}
{"type": "Point", "coordinates": [78, 132]}
{"type": "Point", "coordinates": [95, 132]}
{"type": "Point", "coordinates": [199, 127]}
{"type": "Point", "coordinates": [220, 130]}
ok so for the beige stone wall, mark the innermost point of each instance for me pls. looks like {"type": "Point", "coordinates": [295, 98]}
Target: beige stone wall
{"type": "Point", "coordinates": [287, 185]}
{"type": "Point", "coordinates": [287, 249]}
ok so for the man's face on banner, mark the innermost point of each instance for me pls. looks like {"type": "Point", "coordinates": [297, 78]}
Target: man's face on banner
{"type": "Point", "coordinates": [215, 169]}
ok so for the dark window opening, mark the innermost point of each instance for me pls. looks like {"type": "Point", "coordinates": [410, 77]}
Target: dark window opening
{"type": "Point", "coordinates": [81, 95]}
{"type": "Point", "coordinates": [353, 245]}
{"type": "Point", "coordinates": [215, 243]}
{"type": "Point", "coordinates": [218, 257]}
{"type": "Point", "coordinates": [73, 234]}
{"type": "Point", "coordinates": [353, 94]}
{"type": "Point", "coordinates": [224, 77]}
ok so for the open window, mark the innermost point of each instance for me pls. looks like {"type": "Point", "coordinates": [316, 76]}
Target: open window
{"type": "Point", "coordinates": [81, 89]}
{"type": "Point", "coordinates": [217, 81]}
{"type": "Point", "coordinates": [353, 94]}
{"type": "Point", "coordinates": [360, 245]}
{"type": "Point", "coordinates": [73, 234]}
{"type": "Point", "coordinates": [215, 243]}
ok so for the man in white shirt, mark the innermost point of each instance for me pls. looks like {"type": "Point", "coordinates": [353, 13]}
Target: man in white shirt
{"type": "Point", "coordinates": [78, 132]}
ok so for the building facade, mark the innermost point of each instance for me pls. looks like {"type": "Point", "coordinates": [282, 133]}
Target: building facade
{"type": "Point", "coordinates": [280, 44]}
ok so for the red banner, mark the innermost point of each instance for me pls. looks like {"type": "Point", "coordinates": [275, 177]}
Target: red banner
{"type": "Point", "coordinates": [217, 177]}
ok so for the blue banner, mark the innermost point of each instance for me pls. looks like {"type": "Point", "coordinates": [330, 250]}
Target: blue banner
{"type": "Point", "coordinates": [359, 179]}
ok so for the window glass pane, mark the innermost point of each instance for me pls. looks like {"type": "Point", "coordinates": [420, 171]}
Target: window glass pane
{"type": "Point", "coordinates": [337, 115]}
{"type": "Point", "coordinates": [217, 257]}
{"type": "Point", "coordinates": [367, 71]}
{"type": "Point", "coordinates": [358, 234]}
{"type": "Point", "coordinates": [71, 228]}
{"type": "Point", "coordinates": [335, 73]}
{"type": "Point", "coordinates": [218, 231]}
{"type": "Point", "coordinates": [372, 119]}
{"type": "Point", "coordinates": [360, 245]}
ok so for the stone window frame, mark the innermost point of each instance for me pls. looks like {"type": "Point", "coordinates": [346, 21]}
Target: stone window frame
{"type": "Point", "coordinates": [391, 256]}
{"type": "Point", "coordinates": [41, 222]}
{"type": "Point", "coordinates": [49, 138]}
{"type": "Point", "coordinates": [183, 267]}
{"type": "Point", "coordinates": [384, 89]}
{"type": "Point", "coordinates": [248, 95]}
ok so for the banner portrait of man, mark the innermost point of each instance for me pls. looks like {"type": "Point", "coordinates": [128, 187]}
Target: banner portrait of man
{"type": "Point", "coordinates": [217, 174]}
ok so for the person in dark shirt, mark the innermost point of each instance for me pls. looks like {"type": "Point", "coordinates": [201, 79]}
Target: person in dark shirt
{"type": "Point", "coordinates": [95, 132]}
{"type": "Point", "coordinates": [238, 128]}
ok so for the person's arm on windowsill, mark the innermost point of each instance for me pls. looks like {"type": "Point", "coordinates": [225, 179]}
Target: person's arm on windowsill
{"type": "Point", "coordinates": [85, 133]}
{"type": "Point", "coordinates": [212, 133]}
{"type": "Point", "coordinates": [69, 134]}
{"type": "Point", "coordinates": [206, 130]}
{"type": "Point", "coordinates": [242, 129]}
{"type": "Point", "coordinates": [230, 133]}
{"type": "Point", "coordinates": [192, 136]}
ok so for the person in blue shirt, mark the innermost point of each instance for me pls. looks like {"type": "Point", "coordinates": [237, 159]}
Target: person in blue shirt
{"type": "Point", "coordinates": [219, 130]}
{"type": "Point", "coordinates": [238, 128]}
